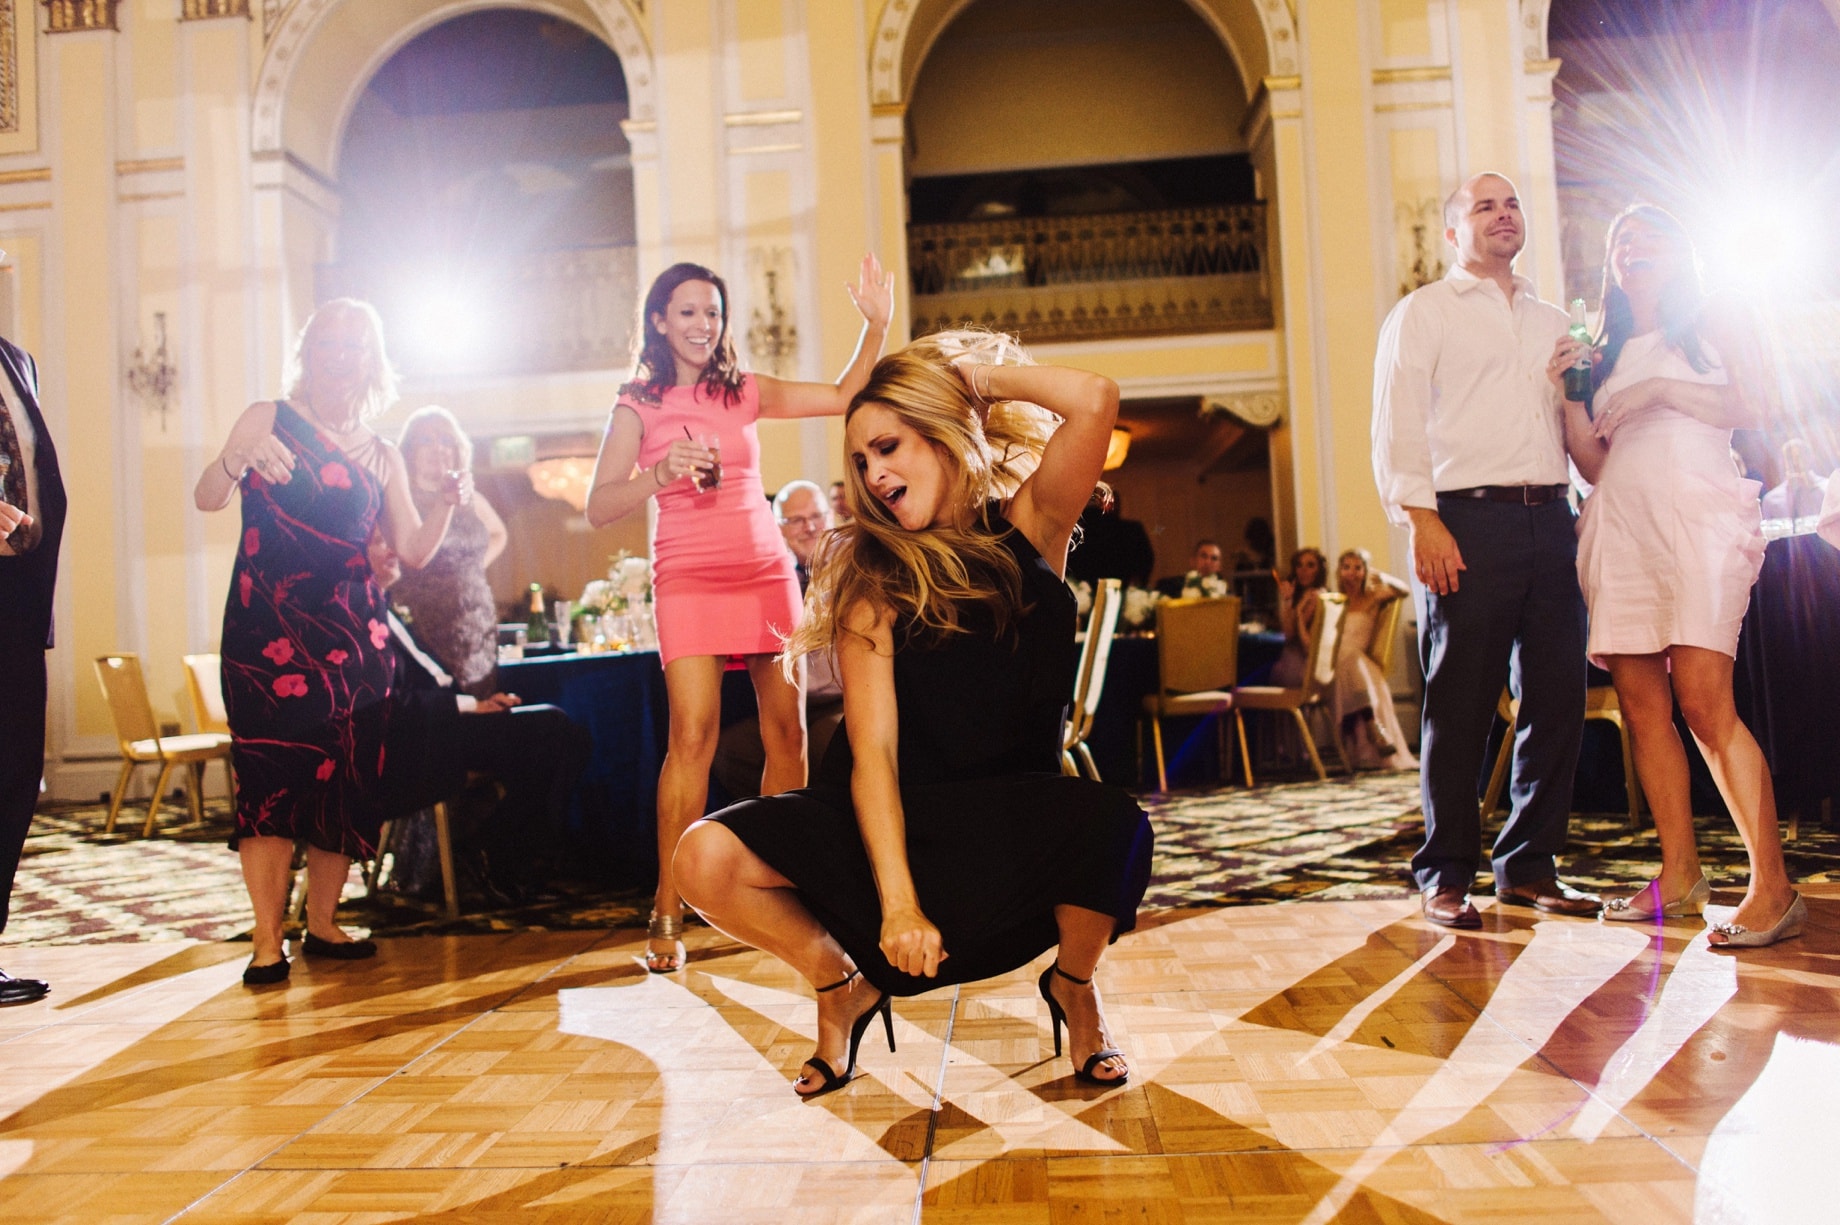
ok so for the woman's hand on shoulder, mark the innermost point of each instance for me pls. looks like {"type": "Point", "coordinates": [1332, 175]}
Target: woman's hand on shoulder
{"type": "Point", "coordinates": [911, 943]}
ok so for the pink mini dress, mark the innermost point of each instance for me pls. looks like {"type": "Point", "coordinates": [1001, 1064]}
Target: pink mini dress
{"type": "Point", "coordinates": [722, 577]}
{"type": "Point", "coordinates": [1669, 542]}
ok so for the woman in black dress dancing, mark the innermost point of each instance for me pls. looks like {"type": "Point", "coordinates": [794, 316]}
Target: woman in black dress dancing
{"type": "Point", "coordinates": [941, 844]}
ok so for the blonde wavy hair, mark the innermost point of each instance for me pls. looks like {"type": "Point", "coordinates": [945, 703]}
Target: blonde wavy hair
{"type": "Point", "coordinates": [430, 425]}
{"type": "Point", "coordinates": [379, 376]}
{"type": "Point", "coordinates": [928, 578]}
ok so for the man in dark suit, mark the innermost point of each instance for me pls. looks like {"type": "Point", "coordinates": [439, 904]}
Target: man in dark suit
{"type": "Point", "coordinates": [31, 528]}
{"type": "Point", "coordinates": [438, 734]}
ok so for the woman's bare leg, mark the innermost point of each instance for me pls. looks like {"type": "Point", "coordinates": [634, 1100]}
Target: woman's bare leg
{"type": "Point", "coordinates": [326, 875]}
{"type": "Point", "coordinates": [1084, 937]}
{"type": "Point", "coordinates": [693, 687]}
{"type": "Point", "coordinates": [1702, 682]}
{"type": "Point", "coordinates": [739, 894]}
{"type": "Point", "coordinates": [1646, 698]}
{"type": "Point", "coordinates": [266, 863]}
{"type": "Point", "coordinates": [782, 724]}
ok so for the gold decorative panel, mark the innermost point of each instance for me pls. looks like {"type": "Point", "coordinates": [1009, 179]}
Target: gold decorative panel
{"type": "Point", "coordinates": [9, 68]}
{"type": "Point", "coordinates": [69, 16]}
{"type": "Point", "coordinates": [204, 10]}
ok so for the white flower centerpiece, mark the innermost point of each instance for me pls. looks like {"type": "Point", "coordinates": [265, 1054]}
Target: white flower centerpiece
{"type": "Point", "coordinates": [615, 613]}
{"type": "Point", "coordinates": [1195, 583]}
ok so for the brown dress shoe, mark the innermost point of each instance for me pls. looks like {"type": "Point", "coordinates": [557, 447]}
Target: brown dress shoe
{"type": "Point", "coordinates": [1552, 896]}
{"type": "Point", "coordinates": [1449, 907]}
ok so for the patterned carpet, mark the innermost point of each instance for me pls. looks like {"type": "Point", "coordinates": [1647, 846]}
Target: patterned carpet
{"type": "Point", "coordinates": [1347, 838]}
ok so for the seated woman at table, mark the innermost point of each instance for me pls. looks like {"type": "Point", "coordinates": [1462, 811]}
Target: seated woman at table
{"type": "Point", "coordinates": [1362, 699]}
{"type": "Point", "coordinates": [683, 431]}
{"type": "Point", "coordinates": [1299, 604]}
{"type": "Point", "coordinates": [941, 843]}
{"type": "Point", "coordinates": [449, 601]}
{"type": "Point", "coordinates": [1669, 544]}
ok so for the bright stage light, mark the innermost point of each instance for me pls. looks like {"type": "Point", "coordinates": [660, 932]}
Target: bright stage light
{"type": "Point", "coordinates": [444, 325]}
{"type": "Point", "coordinates": [1763, 240]}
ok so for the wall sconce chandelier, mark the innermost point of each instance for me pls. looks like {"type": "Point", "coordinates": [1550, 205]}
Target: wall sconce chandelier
{"type": "Point", "coordinates": [1117, 448]}
{"type": "Point", "coordinates": [564, 478]}
{"type": "Point", "coordinates": [773, 338]}
{"type": "Point", "coordinates": [152, 376]}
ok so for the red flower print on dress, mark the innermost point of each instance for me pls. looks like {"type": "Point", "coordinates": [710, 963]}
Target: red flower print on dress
{"type": "Point", "coordinates": [244, 585]}
{"type": "Point", "coordinates": [380, 634]}
{"type": "Point", "coordinates": [335, 476]}
{"type": "Point", "coordinates": [336, 657]}
{"type": "Point", "coordinates": [292, 685]}
{"type": "Point", "coordinates": [252, 542]}
{"type": "Point", "coordinates": [325, 770]}
{"type": "Point", "coordinates": [280, 651]}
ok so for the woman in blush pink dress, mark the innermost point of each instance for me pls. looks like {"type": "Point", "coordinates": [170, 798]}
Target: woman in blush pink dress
{"type": "Point", "coordinates": [683, 432]}
{"type": "Point", "coordinates": [1668, 547]}
{"type": "Point", "coordinates": [1362, 698]}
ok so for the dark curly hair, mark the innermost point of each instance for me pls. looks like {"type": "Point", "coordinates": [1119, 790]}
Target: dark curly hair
{"type": "Point", "coordinates": [655, 369]}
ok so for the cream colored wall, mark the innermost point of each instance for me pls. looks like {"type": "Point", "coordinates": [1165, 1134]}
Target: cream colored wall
{"type": "Point", "coordinates": [1048, 95]}
{"type": "Point", "coordinates": [182, 168]}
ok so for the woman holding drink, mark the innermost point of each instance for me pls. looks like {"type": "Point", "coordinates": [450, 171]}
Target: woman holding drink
{"type": "Point", "coordinates": [683, 431]}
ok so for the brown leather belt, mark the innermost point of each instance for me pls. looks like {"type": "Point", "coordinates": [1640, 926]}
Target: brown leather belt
{"type": "Point", "coordinates": [1521, 495]}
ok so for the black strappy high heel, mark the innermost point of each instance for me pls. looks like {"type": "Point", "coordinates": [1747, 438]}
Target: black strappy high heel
{"type": "Point", "coordinates": [1057, 1017]}
{"type": "Point", "coordinates": [832, 1080]}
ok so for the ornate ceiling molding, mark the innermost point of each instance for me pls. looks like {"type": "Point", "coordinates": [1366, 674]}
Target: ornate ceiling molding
{"type": "Point", "coordinates": [1260, 408]}
{"type": "Point", "coordinates": [73, 16]}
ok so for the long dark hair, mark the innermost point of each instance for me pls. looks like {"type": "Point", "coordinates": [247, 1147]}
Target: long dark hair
{"type": "Point", "coordinates": [1681, 299]}
{"type": "Point", "coordinates": [654, 368]}
{"type": "Point", "coordinates": [1322, 573]}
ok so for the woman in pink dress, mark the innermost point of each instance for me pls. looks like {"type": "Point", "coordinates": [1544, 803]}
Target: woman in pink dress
{"type": "Point", "coordinates": [1668, 547]}
{"type": "Point", "coordinates": [683, 432]}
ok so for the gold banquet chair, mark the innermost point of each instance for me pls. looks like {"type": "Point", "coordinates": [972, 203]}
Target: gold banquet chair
{"type": "Point", "coordinates": [125, 690]}
{"type": "Point", "coordinates": [1197, 658]}
{"type": "Point", "coordinates": [204, 682]}
{"type": "Point", "coordinates": [1089, 681]}
{"type": "Point", "coordinates": [1318, 675]}
{"type": "Point", "coordinates": [1599, 703]}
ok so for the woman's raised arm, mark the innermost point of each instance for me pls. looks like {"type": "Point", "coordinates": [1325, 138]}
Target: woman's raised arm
{"type": "Point", "coordinates": [1049, 503]}
{"type": "Point", "coordinates": [873, 295]}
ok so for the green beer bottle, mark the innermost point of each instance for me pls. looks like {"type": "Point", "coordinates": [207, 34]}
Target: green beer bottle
{"type": "Point", "coordinates": [1578, 376]}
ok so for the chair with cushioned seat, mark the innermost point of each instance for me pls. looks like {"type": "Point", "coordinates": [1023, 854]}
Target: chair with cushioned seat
{"type": "Point", "coordinates": [1197, 659]}
{"type": "Point", "coordinates": [204, 682]}
{"type": "Point", "coordinates": [125, 690]}
{"type": "Point", "coordinates": [1599, 703]}
{"type": "Point", "coordinates": [1089, 682]}
{"type": "Point", "coordinates": [1319, 675]}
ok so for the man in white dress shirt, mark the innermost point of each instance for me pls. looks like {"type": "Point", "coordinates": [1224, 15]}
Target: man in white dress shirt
{"type": "Point", "coordinates": [1469, 452]}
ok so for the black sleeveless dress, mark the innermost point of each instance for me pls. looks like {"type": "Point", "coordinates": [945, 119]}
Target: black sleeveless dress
{"type": "Point", "coordinates": [997, 837]}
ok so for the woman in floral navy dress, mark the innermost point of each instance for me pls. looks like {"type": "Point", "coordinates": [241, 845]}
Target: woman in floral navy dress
{"type": "Point", "coordinates": [306, 672]}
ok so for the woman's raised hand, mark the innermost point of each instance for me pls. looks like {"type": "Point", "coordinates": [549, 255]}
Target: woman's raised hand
{"type": "Point", "coordinates": [1619, 408]}
{"type": "Point", "coordinates": [457, 487]}
{"type": "Point", "coordinates": [873, 293]}
{"type": "Point", "coordinates": [911, 943]}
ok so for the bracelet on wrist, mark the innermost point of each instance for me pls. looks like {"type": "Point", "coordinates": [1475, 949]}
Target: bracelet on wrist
{"type": "Point", "coordinates": [234, 476]}
{"type": "Point", "coordinates": [982, 369]}
{"type": "Point", "coordinates": [658, 473]}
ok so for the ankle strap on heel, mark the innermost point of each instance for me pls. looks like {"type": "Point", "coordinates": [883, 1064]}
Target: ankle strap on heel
{"type": "Point", "coordinates": [845, 981]}
{"type": "Point", "coordinates": [1070, 978]}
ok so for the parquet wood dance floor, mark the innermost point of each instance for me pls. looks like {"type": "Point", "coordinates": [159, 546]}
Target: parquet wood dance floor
{"type": "Point", "coordinates": [1298, 1062]}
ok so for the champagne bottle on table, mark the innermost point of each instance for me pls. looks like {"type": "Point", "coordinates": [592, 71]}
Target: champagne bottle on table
{"type": "Point", "coordinates": [536, 624]}
{"type": "Point", "coordinates": [1578, 376]}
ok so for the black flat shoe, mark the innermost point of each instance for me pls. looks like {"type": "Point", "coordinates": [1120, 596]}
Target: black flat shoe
{"type": "Point", "coordinates": [263, 976]}
{"type": "Point", "coordinates": [834, 1080]}
{"type": "Point", "coordinates": [22, 990]}
{"type": "Point", "coordinates": [338, 950]}
{"type": "Point", "coordinates": [1058, 1016]}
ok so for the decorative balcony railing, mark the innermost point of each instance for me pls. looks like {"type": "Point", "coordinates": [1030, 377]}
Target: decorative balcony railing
{"type": "Point", "coordinates": [1090, 277]}
{"type": "Point", "coordinates": [547, 312]}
